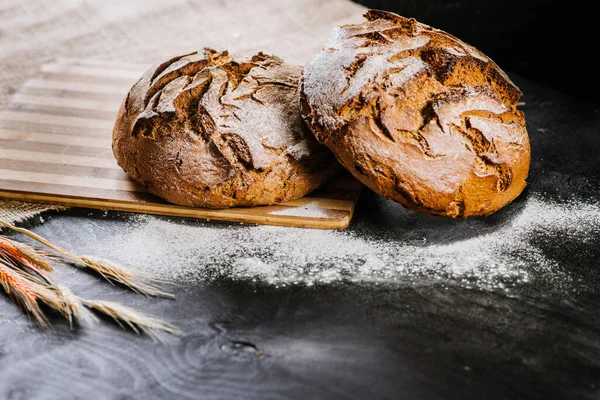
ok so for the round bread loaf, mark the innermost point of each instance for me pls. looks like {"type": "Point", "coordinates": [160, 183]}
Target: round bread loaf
{"type": "Point", "coordinates": [209, 130]}
{"type": "Point", "coordinates": [418, 116]}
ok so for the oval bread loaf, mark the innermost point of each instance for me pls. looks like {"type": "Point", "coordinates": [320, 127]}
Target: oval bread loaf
{"type": "Point", "coordinates": [210, 130]}
{"type": "Point", "coordinates": [418, 116]}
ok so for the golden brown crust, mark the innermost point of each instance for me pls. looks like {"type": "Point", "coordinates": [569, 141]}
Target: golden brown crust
{"type": "Point", "coordinates": [418, 116]}
{"type": "Point", "coordinates": [207, 130]}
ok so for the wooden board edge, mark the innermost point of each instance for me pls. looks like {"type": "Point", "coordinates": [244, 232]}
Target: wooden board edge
{"type": "Point", "coordinates": [359, 191]}
{"type": "Point", "coordinates": [184, 212]}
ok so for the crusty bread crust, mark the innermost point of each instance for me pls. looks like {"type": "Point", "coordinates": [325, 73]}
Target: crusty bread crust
{"type": "Point", "coordinates": [208, 130]}
{"type": "Point", "coordinates": [418, 116]}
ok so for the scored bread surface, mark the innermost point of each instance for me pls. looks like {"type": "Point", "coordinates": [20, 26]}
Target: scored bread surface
{"type": "Point", "coordinates": [418, 116]}
{"type": "Point", "coordinates": [210, 130]}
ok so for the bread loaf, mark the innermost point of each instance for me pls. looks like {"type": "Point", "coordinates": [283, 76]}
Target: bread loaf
{"type": "Point", "coordinates": [210, 130]}
{"type": "Point", "coordinates": [418, 116]}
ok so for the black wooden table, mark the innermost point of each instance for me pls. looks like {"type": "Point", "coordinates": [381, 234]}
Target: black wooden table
{"type": "Point", "coordinates": [425, 337]}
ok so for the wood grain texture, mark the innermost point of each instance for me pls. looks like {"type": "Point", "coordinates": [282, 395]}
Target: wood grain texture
{"type": "Point", "coordinates": [69, 161]}
{"type": "Point", "coordinates": [38, 32]}
{"type": "Point", "coordinates": [34, 33]}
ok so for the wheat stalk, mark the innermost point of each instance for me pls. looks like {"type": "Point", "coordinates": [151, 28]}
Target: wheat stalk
{"type": "Point", "coordinates": [139, 283]}
{"type": "Point", "coordinates": [24, 254]}
{"type": "Point", "coordinates": [20, 289]}
{"type": "Point", "coordinates": [127, 317]}
{"type": "Point", "coordinates": [65, 302]}
{"type": "Point", "coordinates": [112, 272]}
{"type": "Point", "coordinates": [75, 306]}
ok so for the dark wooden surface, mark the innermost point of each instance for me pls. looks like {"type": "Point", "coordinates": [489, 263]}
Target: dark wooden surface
{"type": "Point", "coordinates": [418, 338]}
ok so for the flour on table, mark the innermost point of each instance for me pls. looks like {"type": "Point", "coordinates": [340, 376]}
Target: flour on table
{"type": "Point", "coordinates": [186, 251]}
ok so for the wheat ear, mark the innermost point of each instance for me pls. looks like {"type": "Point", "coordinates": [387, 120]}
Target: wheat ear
{"type": "Point", "coordinates": [138, 322]}
{"type": "Point", "coordinates": [19, 288]}
{"type": "Point", "coordinates": [24, 254]}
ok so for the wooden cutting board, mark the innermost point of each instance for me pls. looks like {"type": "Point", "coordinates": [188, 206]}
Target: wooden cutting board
{"type": "Point", "coordinates": [55, 147]}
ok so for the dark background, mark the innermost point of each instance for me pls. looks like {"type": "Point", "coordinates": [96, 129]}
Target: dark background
{"type": "Point", "coordinates": [551, 42]}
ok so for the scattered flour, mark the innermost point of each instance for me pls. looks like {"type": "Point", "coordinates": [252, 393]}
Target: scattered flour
{"type": "Point", "coordinates": [179, 250]}
{"type": "Point", "coordinates": [310, 210]}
